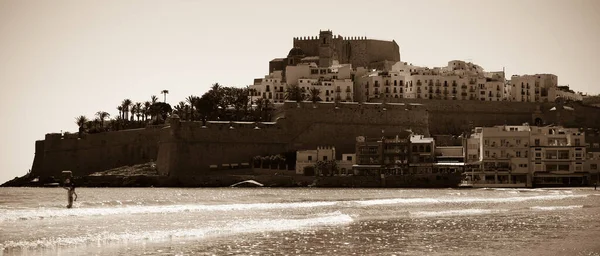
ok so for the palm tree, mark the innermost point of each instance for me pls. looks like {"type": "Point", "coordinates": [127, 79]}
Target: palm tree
{"type": "Point", "coordinates": [126, 104]}
{"type": "Point", "coordinates": [146, 110]}
{"type": "Point", "coordinates": [153, 99]}
{"type": "Point", "coordinates": [179, 109]}
{"type": "Point", "coordinates": [101, 116]}
{"type": "Point", "coordinates": [314, 94]}
{"type": "Point", "coordinates": [191, 100]}
{"type": "Point", "coordinates": [165, 92]}
{"type": "Point", "coordinates": [120, 108]}
{"type": "Point", "coordinates": [138, 110]}
{"type": "Point", "coordinates": [81, 121]}
{"type": "Point", "coordinates": [293, 92]}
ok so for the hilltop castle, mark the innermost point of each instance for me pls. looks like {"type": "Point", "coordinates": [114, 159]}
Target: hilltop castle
{"type": "Point", "coordinates": [327, 48]}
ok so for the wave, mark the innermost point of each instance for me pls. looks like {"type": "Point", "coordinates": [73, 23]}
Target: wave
{"type": "Point", "coordinates": [41, 213]}
{"type": "Point", "coordinates": [462, 200]}
{"type": "Point", "coordinates": [264, 225]}
{"type": "Point", "coordinates": [553, 208]}
{"type": "Point", "coordinates": [464, 212]}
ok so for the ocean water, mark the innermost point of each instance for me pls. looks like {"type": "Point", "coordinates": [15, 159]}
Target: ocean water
{"type": "Point", "coordinates": [300, 221]}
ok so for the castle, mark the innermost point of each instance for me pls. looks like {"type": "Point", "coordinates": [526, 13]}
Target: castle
{"type": "Point", "coordinates": [355, 102]}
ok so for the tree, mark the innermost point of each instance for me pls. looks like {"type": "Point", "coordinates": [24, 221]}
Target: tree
{"type": "Point", "coordinates": [161, 110]}
{"type": "Point", "coordinates": [295, 93]}
{"type": "Point", "coordinates": [153, 99]}
{"type": "Point", "coordinates": [138, 110]}
{"type": "Point", "coordinates": [146, 110]}
{"type": "Point", "coordinates": [314, 94]}
{"type": "Point", "coordinates": [165, 92]}
{"type": "Point", "coordinates": [101, 116]}
{"type": "Point", "coordinates": [326, 168]}
{"type": "Point", "coordinates": [180, 109]}
{"type": "Point", "coordinates": [81, 121]}
{"type": "Point", "coordinates": [120, 108]}
{"type": "Point", "coordinates": [191, 100]}
{"type": "Point", "coordinates": [204, 108]}
{"type": "Point", "coordinates": [125, 108]}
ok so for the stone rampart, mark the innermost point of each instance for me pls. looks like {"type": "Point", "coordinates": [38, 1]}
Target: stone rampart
{"type": "Point", "coordinates": [191, 148]}
{"type": "Point", "coordinates": [94, 152]}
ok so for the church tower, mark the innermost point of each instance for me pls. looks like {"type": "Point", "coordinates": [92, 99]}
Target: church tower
{"type": "Point", "coordinates": [325, 48]}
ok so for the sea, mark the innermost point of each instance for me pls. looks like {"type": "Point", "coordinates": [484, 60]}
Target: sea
{"type": "Point", "coordinates": [300, 221]}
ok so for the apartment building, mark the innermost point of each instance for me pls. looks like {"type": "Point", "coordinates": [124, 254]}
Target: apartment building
{"type": "Point", "coordinates": [558, 156]}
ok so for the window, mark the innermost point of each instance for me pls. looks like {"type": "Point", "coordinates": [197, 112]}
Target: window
{"type": "Point", "coordinates": [593, 166]}
{"type": "Point", "coordinates": [349, 158]}
{"type": "Point", "coordinates": [487, 153]}
{"type": "Point", "coordinates": [324, 158]}
{"type": "Point", "coordinates": [309, 158]}
{"type": "Point", "coordinates": [537, 142]}
{"type": "Point", "coordinates": [577, 142]}
{"type": "Point", "coordinates": [518, 153]}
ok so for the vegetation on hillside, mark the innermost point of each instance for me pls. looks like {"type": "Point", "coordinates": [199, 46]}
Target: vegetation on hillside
{"type": "Point", "coordinates": [219, 103]}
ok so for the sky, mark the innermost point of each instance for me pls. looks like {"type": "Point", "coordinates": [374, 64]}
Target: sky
{"type": "Point", "coordinates": [60, 59]}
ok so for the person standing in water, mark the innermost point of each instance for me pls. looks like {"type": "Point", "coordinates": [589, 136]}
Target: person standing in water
{"type": "Point", "coordinates": [70, 187]}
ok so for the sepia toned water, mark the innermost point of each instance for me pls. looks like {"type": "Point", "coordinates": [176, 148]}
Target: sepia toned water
{"type": "Point", "coordinates": [301, 221]}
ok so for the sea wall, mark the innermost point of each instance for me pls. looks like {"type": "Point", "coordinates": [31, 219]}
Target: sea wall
{"type": "Point", "coordinates": [188, 148]}
{"type": "Point", "coordinates": [191, 148]}
{"type": "Point", "coordinates": [94, 152]}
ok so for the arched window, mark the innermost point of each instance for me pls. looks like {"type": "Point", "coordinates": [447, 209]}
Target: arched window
{"type": "Point", "coordinates": [428, 148]}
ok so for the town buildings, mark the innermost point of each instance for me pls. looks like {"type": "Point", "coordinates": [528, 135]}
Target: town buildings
{"type": "Point", "coordinates": [357, 69]}
{"type": "Point", "coordinates": [526, 156]}
{"type": "Point", "coordinates": [499, 156]}
{"type": "Point", "coordinates": [306, 160]}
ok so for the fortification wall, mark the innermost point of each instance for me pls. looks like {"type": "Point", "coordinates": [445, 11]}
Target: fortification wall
{"type": "Point", "coordinates": [190, 148]}
{"type": "Point", "coordinates": [454, 116]}
{"type": "Point", "coordinates": [95, 152]}
{"type": "Point", "coordinates": [358, 51]}
{"type": "Point", "coordinates": [383, 50]}
{"type": "Point", "coordinates": [310, 45]}
{"type": "Point", "coordinates": [38, 160]}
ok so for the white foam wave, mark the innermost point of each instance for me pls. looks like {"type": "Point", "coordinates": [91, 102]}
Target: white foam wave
{"type": "Point", "coordinates": [462, 200]}
{"type": "Point", "coordinates": [40, 213]}
{"type": "Point", "coordinates": [464, 212]}
{"type": "Point", "coordinates": [553, 208]}
{"type": "Point", "coordinates": [264, 225]}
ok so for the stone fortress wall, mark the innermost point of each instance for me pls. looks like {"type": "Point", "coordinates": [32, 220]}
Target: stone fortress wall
{"type": "Point", "coordinates": [94, 152]}
{"type": "Point", "coordinates": [188, 148]}
{"type": "Point", "coordinates": [191, 149]}
{"type": "Point", "coordinates": [358, 51]}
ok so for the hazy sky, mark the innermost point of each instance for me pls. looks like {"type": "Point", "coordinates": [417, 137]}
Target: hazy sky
{"type": "Point", "coordinates": [60, 59]}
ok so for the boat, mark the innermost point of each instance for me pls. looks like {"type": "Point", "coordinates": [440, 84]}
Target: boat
{"type": "Point", "coordinates": [248, 183]}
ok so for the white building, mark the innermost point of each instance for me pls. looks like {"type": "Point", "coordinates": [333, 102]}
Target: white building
{"type": "Point", "coordinates": [503, 156]}
{"type": "Point", "coordinates": [558, 155]}
{"type": "Point", "coordinates": [533, 88]}
{"type": "Point", "coordinates": [459, 81]}
{"type": "Point", "coordinates": [307, 158]}
{"type": "Point", "coordinates": [334, 83]}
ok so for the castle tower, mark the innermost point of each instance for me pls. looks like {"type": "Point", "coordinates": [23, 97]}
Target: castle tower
{"type": "Point", "coordinates": [325, 48]}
